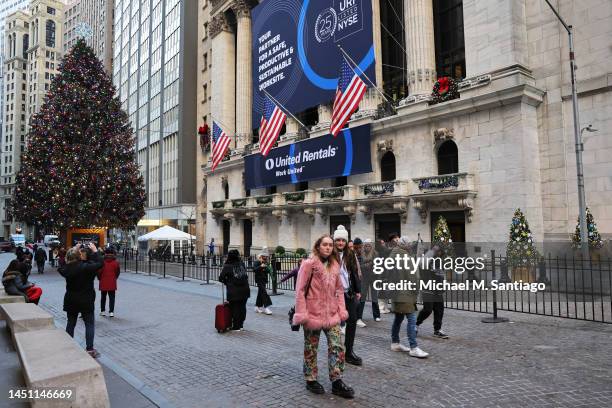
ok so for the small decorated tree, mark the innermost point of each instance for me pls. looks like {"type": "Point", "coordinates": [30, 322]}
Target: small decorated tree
{"type": "Point", "coordinates": [442, 237]}
{"type": "Point", "coordinates": [521, 250]}
{"type": "Point", "coordinates": [595, 241]}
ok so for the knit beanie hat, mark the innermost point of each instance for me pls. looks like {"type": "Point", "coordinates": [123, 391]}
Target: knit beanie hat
{"type": "Point", "coordinates": [341, 233]}
{"type": "Point", "coordinates": [357, 241]}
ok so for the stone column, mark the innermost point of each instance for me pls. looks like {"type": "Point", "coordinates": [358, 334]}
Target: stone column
{"type": "Point", "coordinates": [223, 106]}
{"type": "Point", "coordinates": [244, 78]}
{"type": "Point", "coordinates": [325, 112]}
{"type": "Point", "coordinates": [372, 98]}
{"type": "Point", "coordinates": [420, 46]}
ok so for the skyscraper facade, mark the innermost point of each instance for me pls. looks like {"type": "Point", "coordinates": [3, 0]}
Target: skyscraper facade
{"type": "Point", "coordinates": [33, 51]}
{"type": "Point", "coordinates": [154, 62]}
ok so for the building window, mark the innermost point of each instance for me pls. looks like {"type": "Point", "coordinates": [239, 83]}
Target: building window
{"type": "Point", "coordinates": [340, 181]}
{"type": "Point", "coordinates": [309, 117]}
{"type": "Point", "coordinates": [271, 190]}
{"type": "Point", "coordinates": [26, 39]}
{"type": "Point", "coordinates": [393, 42]}
{"type": "Point", "coordinates": [301, 186]}
{"type": "Point", "coordinates": [50, 28]}
{"type": "Point", "coordinates": [448, 158]}
{"type": "Point", "coordinates": [226, 190]}
{"type": "Point", "coordinates": [387, 167]}
{"type": "Point", "coordinates": [450, 45]}
{"type": "Point", "coordinates": [51, 10]}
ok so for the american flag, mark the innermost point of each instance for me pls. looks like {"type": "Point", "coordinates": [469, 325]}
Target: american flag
{"type": "Point", "coordinates": [270, 126]}
{"type": "Point", "coordinates": [349, 94]}
{"type": "Point", "coordinates": [220, 143]}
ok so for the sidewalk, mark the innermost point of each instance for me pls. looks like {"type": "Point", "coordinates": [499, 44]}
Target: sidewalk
{"type": "Point", "coordinates": [164, 336]}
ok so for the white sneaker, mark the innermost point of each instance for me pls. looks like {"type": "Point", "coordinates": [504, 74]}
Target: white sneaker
{"type": "Point", "coordinates": [258, 310]}
{"type": "Point", "coordinates": [111, 314]}
{"type": "Point", "coordinates": [343, 329]}
{"type": "Point", "coordinates": [103, 313]}
{"type": "Point", "coordinates": [399, 347]}
{"type": "Point", "coordinates": [418, 353]}
{"type": "Point", "coordinates": [377, 319]}
{"type": "Point", "coordinates": [267, 311]}
{"type": "Point", "coordinates": [361, 323]}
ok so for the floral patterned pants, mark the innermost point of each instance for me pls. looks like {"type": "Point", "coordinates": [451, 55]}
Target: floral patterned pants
{"type": "Point", "coordinates": [335, 353]}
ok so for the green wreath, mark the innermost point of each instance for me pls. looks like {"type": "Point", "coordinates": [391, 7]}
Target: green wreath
{"type": "Point", "coordinates": [444, 90]}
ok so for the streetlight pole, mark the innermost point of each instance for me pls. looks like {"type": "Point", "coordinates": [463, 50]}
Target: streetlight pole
{"type": "Point", "coordinates": [579, 147]}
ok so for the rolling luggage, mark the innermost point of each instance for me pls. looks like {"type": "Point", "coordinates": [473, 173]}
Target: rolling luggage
{"type": "Point", "coordinates": [223, 315]}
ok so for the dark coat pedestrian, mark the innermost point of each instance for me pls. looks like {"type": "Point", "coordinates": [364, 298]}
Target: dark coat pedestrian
{"type": "Point", "coordinates": [236, 280]}
{"type": "Point", "coordinates": [80, 293]}
{"type": "Point", "coordinates": [40, 256]}
{"type": "Point", "coordinates": [80, 271]}
{"type": "Point", "coordinates": [262, 269]}
{"type": "Point", "coordinates": [14, 282]}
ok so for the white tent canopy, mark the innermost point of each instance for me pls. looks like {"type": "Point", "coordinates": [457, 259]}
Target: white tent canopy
{"type": "Point", "coordinates": [166, 233]}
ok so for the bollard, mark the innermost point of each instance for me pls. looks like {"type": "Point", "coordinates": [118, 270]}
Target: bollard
{"type": "Point", "coordinates": [136, 262]}
{"type": "Point", "coordinates": [149, 266]}
{"type": "Point", "coordinates": [164, 268]}
{"type": "Point", "coordinates": [183, 267]}
{"type": "Point", "coordinates": [495, 318]}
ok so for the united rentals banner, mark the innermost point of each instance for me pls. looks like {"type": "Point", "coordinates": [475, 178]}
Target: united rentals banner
{"type": "Point", "coordinates": [318, 158]}
{"type": "Point", "coordinates": [296, 54]}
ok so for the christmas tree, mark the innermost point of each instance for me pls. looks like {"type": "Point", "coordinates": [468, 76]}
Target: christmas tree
{"type": "Point", "coordinates": [595, 241]}
{"type": "Point", "coordinates": [442, 237]}
{"type": "Point", "coordinates": [520, 249]}
{"type": "Point", "coordinates": [79, 168]}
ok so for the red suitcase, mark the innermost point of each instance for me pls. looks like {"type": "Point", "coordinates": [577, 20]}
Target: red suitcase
{"type": "Point", "coordinates": [223, 315]}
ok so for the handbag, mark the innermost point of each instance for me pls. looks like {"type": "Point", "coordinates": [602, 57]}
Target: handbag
{"type": "Point", "coordinates": [296, 327]}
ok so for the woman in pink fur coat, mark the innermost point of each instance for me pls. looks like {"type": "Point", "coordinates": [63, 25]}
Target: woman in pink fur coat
{"type": "Point", "coordinates": [319, 306]}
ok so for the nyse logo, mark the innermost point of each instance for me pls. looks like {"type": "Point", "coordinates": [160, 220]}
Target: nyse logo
{"type": "Point", "coordinates": [349, 16]}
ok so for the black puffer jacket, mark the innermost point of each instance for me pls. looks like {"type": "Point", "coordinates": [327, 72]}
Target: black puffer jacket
{"type": "Point", "coordinates": [80, 293]}
{"type": "Point", "coordinates": [14, 284]}
{"type": "Point", "coordinates": [234, 276]}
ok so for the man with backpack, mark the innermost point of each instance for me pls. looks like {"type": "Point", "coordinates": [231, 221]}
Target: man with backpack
{"type": "Point", "coordinates": [235, 278]}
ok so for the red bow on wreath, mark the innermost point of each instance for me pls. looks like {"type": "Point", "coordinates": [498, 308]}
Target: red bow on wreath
{"type": "Point", "coordinates": [444, 85]}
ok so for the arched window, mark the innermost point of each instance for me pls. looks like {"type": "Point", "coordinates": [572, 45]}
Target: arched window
{"type": "Point", "coordinates": [387, 167]}
{"type": "Point", "coordinates": [26, 39]}
{"type": "Point", "coordinates": [10, 45]}
{"type": "Point", "coordinates": [448, 158]}
{"type": "Point", "coordinates": [50, 28]}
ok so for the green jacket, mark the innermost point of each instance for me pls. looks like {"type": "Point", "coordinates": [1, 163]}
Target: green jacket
{"type": "Point", "coordinates": [403, 301]}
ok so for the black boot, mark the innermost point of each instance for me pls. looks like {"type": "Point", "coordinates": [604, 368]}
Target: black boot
{"type": "Point", "coordinates": [341, 389]}
{"type": "Point", "coordinates": [315, 387]}
{"type": "Point", "coordinates": [352, 358]}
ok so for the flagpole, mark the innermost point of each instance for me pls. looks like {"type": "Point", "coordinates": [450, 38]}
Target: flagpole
{"type": "Point", "coordinates": [285, 109]}
{"type": "Point", "coordinates": [365, 75]}
{"type": "Point", "coordinates": [223, 124]}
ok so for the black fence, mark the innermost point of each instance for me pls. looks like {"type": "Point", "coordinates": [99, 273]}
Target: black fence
{"type": "Point", "coordinates": [572, 288]}
{"type": "Point", "coordinates": [206, 268]}
{"type": "Point", "coordinates": [568, 287]}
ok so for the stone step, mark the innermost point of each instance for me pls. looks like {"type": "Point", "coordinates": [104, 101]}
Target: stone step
{"type": "Point", "coordinates": [4, 298]}
{"type": "Point", "coordinates": [23, 317]}
{"type": "Point", "coordinates": [51, 358]}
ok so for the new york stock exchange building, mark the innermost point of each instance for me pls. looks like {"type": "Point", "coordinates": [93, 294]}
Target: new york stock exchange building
{"type": "Point", "coordinates": [494, 135]}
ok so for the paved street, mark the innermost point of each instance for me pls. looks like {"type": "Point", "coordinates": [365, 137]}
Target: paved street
{"type": "Point", "coordinates": [163, 338]}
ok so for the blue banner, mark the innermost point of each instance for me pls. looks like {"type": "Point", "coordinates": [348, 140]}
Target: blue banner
{"type": "Point", "coordinates": [318, 158]}
{"type": "Point", "coordinates": [296, 57]}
